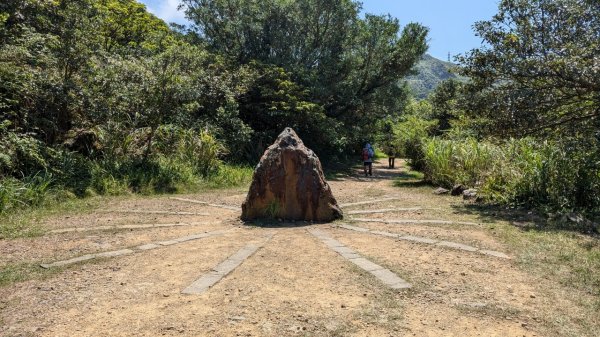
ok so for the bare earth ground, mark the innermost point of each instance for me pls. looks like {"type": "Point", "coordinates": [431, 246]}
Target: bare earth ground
{"type": "Point", "coordinates": [293, 286]}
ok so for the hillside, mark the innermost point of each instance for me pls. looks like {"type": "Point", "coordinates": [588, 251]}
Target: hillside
{"type": "Point", "coordinates": [430, 72]}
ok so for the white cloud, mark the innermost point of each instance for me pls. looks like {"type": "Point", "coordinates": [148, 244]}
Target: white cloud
{"type": "Point", "coordinates": [166, 10]}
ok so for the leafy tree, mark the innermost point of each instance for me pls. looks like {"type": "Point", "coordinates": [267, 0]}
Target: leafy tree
{"type": "Point", "coordinates": [444, 104]}
{"type": "Point", "coordinates": [348, 65]}
{"type": "Point", "coordinates": [127, 28]}
{"type": "Point", "coordinates": [274, 102]}
{"type": "Point", "coordinates": [539, 73]}
{"type": "Point", "coordinates": [305, 33]}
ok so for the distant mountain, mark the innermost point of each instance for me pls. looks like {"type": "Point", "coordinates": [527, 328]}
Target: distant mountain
{"type": "Point", "coordinates": [430, 72]}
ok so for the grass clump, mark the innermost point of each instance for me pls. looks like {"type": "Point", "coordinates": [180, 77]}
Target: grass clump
{"type": "Point", "coordinates": [272, 210]}
{"type": "Point", "coordinates": [558, 177]}
{"type": "Point", "coordinates": [450, 162]}
{"type": "Point", "coordinates": [229, 176]}
{"type": "Point", "coordinates": [30, 191]}
{"type": "Point", "coordinates": [14, 273]}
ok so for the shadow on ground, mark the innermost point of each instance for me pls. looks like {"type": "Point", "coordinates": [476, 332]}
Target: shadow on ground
{"type": "Point", "coordinates": [521, 218]}
{"type": "Point", "coordinates": [410, 179]}
{"type": "Point", "coordinates": [401, 175]}
{"type": "Point", "coordinates": [273, 223]}
{"type": "Point", "coordinates": [527, 220]}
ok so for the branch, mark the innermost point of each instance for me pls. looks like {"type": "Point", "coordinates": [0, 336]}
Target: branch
{"type": "Point", "coordinates": [596, 113]}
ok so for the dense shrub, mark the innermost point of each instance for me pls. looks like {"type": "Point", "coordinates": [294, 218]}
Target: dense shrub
{"type": "Point", "coordinates": [410, 136]}
{"type": "Point", "coordinates": [448, 162]}
{"type": "Point", "coordinates": [556, 175]}
{"type": "Point", "coordinates": [182, 159]}
{"type": "Point", "coordinates": [21, 154]}
{"type": "Point", "coordinates": [31, 191]}
{"type": "Point", "coordinates": [561, 176]}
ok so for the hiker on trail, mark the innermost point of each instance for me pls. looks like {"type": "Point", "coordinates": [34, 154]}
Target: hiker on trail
{"type": "Point", "coordinates": [391, 160]}
{"type": "Point", "coordinates": [367, 156]}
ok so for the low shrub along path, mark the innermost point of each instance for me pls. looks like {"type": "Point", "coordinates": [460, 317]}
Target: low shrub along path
{"type": "Point", "coordinates": [410, 263]}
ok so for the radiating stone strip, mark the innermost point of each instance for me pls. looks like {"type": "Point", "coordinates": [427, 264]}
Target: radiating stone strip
{"type": "Point", "coordinates": [414, 221]}
{"type": "Point", "coordinates": [417, 239]}
{"type": "Point", "coordinates": [389, 210]}
{"type": "Point", "coordinates": [384, 275]}
{"type": "Point", "coordinates": [151, 212]}
{"type": "Point", "coordinates": [116, 227]}
{"type": "Point", "coordinates": [223, 269]}
{"type": "Point", "coordinates": [232, 208]}
{"type": "Point", "coordinates": [140, 248]}
{"type": "Point", "coordinates": [367, 202]}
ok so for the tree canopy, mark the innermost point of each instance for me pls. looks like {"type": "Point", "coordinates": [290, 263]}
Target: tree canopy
{"type": "Point", "coordinates": [540, 71]}
{"type": "Point", "coordinates": [347, 66]}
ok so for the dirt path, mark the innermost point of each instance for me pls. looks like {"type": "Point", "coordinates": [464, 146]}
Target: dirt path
{"type": "Point", "coordinates": [293, 285]}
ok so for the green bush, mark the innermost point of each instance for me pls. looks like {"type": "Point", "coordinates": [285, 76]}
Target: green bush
{"type": "Point", "coordinates": [562, 176]}
{"type": "Point", "coordinates": [21, 154]}
{"type": "Point", "coordinates": [182, 159]}
{"type": "Point", "coordinates": [410, 136]}
{"type": "Point", "coordinates": [30, 191]}
{"type": "Point", "coordinates": [230, 176]}
{"type": "Point", "coordinates": [450, 162]}
{"type": "Point", "coordinates": [199, 149]}
{"type": "Point", "coordinates": [557, 176]}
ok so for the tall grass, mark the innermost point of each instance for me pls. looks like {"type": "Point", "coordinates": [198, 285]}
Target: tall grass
{"type": "Point", "coordinates": [229, 176]}
{"type": "Point", "coordinates": [558, 176]}
{"type": "Point", "coordinates": [450, 162]}
{"type": "Point", "coordinates": [30, 191]}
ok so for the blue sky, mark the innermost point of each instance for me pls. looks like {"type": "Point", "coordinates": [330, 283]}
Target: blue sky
{"type": "Point", "coordinates": [450, 21]}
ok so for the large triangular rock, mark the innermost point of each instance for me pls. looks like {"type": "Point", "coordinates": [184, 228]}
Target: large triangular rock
{"type": "Point", "coordinates": [288, 183]}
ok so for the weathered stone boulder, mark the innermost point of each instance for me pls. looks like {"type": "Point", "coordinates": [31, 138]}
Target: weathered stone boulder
{"type": "Point", "coordinates": [441, 190]}
{"type": "Point", "coordinates": [457, 190]}
{"type": "Point", "coordinates": [470, 194]}
{"type": "Point", "coordinates": [288, 183]}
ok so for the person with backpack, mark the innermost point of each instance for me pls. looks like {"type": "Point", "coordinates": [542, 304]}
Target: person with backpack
{"type": "Point", "coordinates": [367, 156]}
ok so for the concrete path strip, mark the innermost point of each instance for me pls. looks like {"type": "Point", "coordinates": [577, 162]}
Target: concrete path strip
{"type": "Point", "coordinates": [367, 202]}
{"type": "Point", "coordinates": [414, 221]}
{"type": "Point", "coordinates": [224, 268]}
{"type": "Point", "coordinates": [151, 212]}
{"type": "Point", "coordinates": [389, 210]}
{"type": "Point", "coordinates": [231, 208]}
{"type": "Point", "coordinates": [141, 248]}
{"type": "Point", "coordinates": [116, 227]}
{"type": "Point", "coordinates": [384, 275]}
{"type": "Point", "coordinates": [417, 239]}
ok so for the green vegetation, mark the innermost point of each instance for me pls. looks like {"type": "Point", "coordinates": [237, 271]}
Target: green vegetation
{"type": "Point", "coordinates": [272, 210]}
{"type": "Point", "coordinates": [539, 75]}
{"type": "Point", "coordinates": [25, 271]}
{"type": "Point", "coordinates": [523, 129]}
{"type": "Point", "coordinates": [524, 172]}
{"type": "Point", "coordinates": [101, 97]}
{"type": "Point", "coordinates": [323, 69]}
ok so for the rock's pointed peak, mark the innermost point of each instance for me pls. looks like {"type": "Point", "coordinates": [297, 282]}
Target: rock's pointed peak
{"type": "Point", "coordinates": [288, 137]}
